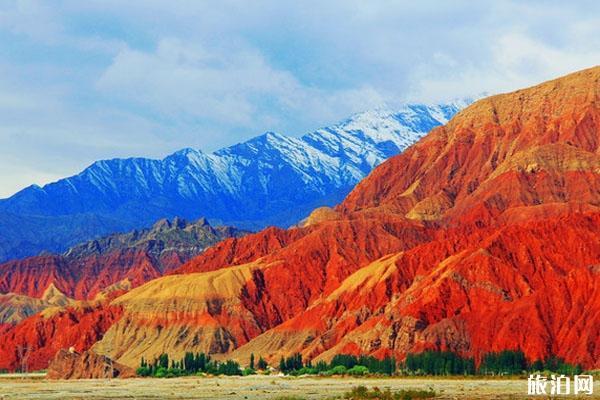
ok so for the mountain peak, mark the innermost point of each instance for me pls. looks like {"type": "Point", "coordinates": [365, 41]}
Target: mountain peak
{"type": "Point", "coordinates": [186, 151]}
{"type": "Point", "coordinates": [272, 138]}
{"type": "Point", "coordinates": [162, 223]}
{"type": "Point", "coordinates": [549, 100]}
{"type": "Point", "coordinates": [273, 135]}
{"type": "Point", "coordinates": [502, 149]}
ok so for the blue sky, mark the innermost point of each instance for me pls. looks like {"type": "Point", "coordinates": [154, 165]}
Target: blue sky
{"type": "Point", "coordinates": [85, 80]}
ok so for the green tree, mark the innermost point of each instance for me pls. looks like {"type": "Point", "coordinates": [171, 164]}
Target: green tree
{"type": "Point", "coordinates": [163, 361]}
{"type": "Point", "coordinates": [506, 362]}
{"type": "Point", "coordinates": [229, 367]}
{"type": "Point", "coordinates": [438, 363]}
{"type": "Point", "coordinates": [282, 366]}
{"type": "Point", "coordinates": [321, 366]}
{"type": "Point", "coordinates": [292, 363]}
{"type": "Point", "coordinates": [262, 364]}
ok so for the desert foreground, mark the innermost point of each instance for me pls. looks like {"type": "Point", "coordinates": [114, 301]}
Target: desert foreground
{"type": "Point", "coordinates": [254, 387]}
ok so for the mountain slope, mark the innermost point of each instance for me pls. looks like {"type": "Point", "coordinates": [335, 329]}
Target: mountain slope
{"type": "Point", "coordinates": [482, 236]}
{"type": "Point", "coordinates": [269, 180]}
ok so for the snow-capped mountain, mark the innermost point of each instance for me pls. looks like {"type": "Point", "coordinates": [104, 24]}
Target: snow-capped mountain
{"type": "Point", "coordinates": [271, 179]}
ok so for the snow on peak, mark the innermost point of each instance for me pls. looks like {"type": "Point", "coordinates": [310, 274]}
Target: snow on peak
{"type": "Point", "coordinates": [271, 178]}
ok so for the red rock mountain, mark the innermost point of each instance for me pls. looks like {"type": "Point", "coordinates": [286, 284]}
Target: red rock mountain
{"type": "Point", "coordinates": [485, 235]}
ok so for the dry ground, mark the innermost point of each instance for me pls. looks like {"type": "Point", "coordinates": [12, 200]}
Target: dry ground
{"type": "Point", "coordinates": [253, 387]}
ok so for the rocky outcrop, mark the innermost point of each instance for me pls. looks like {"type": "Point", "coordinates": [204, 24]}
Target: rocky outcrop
{"type": "Point", "coordinates": [87, 365]}
{"type": "Point", "coordinates": [319, 215]}
{"type": "Point", "coordinates": [90, 268]}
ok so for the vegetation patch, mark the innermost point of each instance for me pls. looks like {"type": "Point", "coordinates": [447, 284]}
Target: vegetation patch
{"type": "Point", "coordinates": [341, 364]}
{"type": "Point", "coordinates": [427, 363]}
{"type": "Point", "coordinates": [362, 392]}
{"type": "Point", "coordinates": [504, 363]}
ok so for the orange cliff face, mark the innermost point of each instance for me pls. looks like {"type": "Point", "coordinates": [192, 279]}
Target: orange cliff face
{"type": "Point", "coordinates": [485, 235]}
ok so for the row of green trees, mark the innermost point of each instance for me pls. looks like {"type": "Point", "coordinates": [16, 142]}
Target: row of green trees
{"type": "Point", "coordinates": [438, 363]}
{"type": "Point", "coordinates": [507, 362]}
{"type": "Point", "coordinates": [190, 364]}
{"type": "Point", "coordinates": [556, 364]}
{"type": "Point", "coordinates": [340, 364]}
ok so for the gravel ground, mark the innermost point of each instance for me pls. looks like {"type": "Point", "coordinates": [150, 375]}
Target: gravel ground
{"type": "Point", "coordinates": [254, 387]}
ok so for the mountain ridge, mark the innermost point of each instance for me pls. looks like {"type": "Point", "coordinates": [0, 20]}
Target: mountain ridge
{"type": "Point", "coordinates": [271, 179]}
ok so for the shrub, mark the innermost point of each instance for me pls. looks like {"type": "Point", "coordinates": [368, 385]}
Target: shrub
{"type": "Point", "coordinates": [358, 370]}
{"type": "Point", "coordinates": [362, 393]}
{"type": "Point", "coordinates": [161, 372]}
{"type": "Point", "coordinates": [306, 371]}
{"type": "Point", "coordinates": [338, 370]}
{"type": "Point", "coordinates": [143, 371]}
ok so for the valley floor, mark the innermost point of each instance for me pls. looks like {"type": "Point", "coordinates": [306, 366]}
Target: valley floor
{"type": "Point", "coordinates": [254, 387]}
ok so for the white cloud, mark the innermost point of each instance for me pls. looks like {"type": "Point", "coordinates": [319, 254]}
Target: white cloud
{"type": "Point", "coordinates": [179, 80]}
{"type": "Point", "coordinates": [233, 86]}
{"type": "Point", "coordinates": [42, 138]}
{"type": "Point", "coordinates": [517, 61]}
{"type": "Point", "coordinates": [32, 18]}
